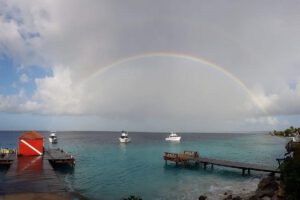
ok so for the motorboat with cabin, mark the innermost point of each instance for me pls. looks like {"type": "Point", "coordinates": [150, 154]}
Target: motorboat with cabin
{"type": "Point", "coordinates": [124, 137]}
{"type": "Point", "coordinates": [173, 137]}
{"type": "Point", "coordinates": [53, 138]}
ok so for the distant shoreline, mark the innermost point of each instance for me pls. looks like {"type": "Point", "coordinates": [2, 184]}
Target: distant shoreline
{"type": "Point", "coordinates": [289, 132]}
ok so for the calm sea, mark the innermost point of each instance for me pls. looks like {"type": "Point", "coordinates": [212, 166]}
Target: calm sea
{"type": "Point", "coordinates": [106, 169]}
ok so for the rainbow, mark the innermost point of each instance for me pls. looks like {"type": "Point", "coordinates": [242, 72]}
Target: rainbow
{"type": "Point", "coordinates": [192, 58]}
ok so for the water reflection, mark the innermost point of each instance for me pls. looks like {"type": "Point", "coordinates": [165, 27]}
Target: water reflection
{"type": "Point", "coordinates": [63, 169]}
{"type": "Point", "coordinates": [123, 147]}
{"type": "Point", "coordinates": [34, 164]}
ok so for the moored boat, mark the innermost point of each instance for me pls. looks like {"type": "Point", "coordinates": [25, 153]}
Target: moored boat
{"type": "Point", "coordinates": [124, 137]}
{"type": "Point", "coordinates": [173, 137]}
{"type": "Point", "coordinates": [53, 138]}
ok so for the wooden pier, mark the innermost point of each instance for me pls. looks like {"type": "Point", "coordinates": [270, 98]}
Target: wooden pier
{"type": "Point", "coordinates": [54, 156]}
{"type": "Point", "coordinates": [34, 173]}
{"type": "Point", "coordinates": [31, 174]}
{"type": "Point", "coordinates": [59, 157]}
{"type": "Point", "coordinates": [193, 157]}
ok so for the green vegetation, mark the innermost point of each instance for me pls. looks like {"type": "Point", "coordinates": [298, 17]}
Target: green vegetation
{"type": "Point", "coordinates": [290, 174]}
{"type": "Point", "coordinates": [290, 168]}
{"type": "Point", "coordinates": [290, 132]}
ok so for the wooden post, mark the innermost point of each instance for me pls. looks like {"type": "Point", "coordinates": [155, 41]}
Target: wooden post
{"type": "Point", "coordinates": [248, 171]}
{"type": "Point", "coordinates": [205, 165]}
{"type": "Point", "coordinates": [212, 166]}
{"type": "Point", "coordinates": [243, 172]}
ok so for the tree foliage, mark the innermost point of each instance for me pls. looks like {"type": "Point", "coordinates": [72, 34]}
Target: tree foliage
{"type": "Point", "coordinates": [290, 174]}
{"type": "Point", "coordinates": [289, 132]}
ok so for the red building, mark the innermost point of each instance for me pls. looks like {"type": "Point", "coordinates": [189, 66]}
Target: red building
{"type": "Point", "coordinates": [31, 144]}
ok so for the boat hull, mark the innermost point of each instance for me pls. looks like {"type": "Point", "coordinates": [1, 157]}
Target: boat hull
{"type": "Point", "coordinates": [53, 141]}
{"type": "Point", "coordinates": [175, 139]}
{"type": "Point", "coordinates": [125, 140]}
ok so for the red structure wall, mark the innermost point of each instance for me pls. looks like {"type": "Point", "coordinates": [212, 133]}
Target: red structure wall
{"type": "Point", "coordinates": [31, 144]}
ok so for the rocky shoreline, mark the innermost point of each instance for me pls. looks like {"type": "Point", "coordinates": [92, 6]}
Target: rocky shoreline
{"type": "Point", "coordinates": [43, 196]}
{"type": "Point", "coordinates": [269, 188]}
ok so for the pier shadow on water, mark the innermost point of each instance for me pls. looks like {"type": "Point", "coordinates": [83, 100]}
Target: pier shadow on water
{"type": "Point", "coordinates": [3, 170]}
{"type": "Point", "coordinates": [63, 169]}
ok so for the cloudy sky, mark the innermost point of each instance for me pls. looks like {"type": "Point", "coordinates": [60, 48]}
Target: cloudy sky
{"type": "Point", "coordinates": [149, 65]}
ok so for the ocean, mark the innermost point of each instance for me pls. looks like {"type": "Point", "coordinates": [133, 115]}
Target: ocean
{"type": "Point", "coordinates": [106, 169]}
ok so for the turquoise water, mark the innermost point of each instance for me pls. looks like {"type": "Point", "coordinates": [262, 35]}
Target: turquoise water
{"type": "Point", "coordinates": [106, 169]}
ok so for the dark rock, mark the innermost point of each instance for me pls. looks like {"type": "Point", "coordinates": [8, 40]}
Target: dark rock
{"type": "Point", "coordinates": [225, 193]}
{"type": "Point", "coordinates": [253, 198]}
{"type": "Point", "coordinates": [266, 198]}
{"type": "Point", "coordinates": [229, 197]}
{"type": "Point", "coordinates": [202, 197]}
{"type": "Point", "coordinates": [237, 198]}
{"type": "Point", "coordinates": [267, 187]}
{"type": "Point", "coordinates": [132, 197]}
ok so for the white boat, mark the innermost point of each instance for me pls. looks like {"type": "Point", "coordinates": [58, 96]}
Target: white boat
{"type": "Point", "coordinates": [173, 137]}
{"type": "Point", "coordinates": [124, 137]}
{"type": "Point", "coordinates": [53, 138]}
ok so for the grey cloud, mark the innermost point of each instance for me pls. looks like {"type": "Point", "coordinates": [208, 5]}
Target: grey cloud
{"type": "Point", "coordinates": [257, 41]}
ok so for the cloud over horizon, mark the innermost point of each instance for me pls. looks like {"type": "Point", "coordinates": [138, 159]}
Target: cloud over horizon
{"type": "Point", "coordinates": [257, 42]}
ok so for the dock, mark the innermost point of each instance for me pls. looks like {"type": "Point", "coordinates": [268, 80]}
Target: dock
{"type": "Point", "coordinates": [34, 173]}
{"type": "Point", "coordinates": [31, 174]}
{"type": "Point", "coordinates": [193, 157]}
{"type": "Point", "coordinates": [56, 157]}
{"type": "Point", "coordinates": [59, 157]}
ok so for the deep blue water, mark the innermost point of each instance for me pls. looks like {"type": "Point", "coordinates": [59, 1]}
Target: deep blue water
{"type": "Point", "coordinates": [106, 169]}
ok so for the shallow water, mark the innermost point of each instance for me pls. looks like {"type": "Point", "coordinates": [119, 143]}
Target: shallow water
{"type": "Point", "coordinates": [106, 169]}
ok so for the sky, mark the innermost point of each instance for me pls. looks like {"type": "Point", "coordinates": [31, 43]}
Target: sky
{"type": "Point", "coordinates": [188, 66]}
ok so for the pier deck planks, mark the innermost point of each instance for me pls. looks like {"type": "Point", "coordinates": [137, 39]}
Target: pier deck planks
{"type": "Point", "coordinates": [238, 165]}
{"type": "Point", "coordinates": [187, 158]}
{"type": "Point", "coordinates": [58, 156]}
{"type": "Point", "coordinates": [35, 175]}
